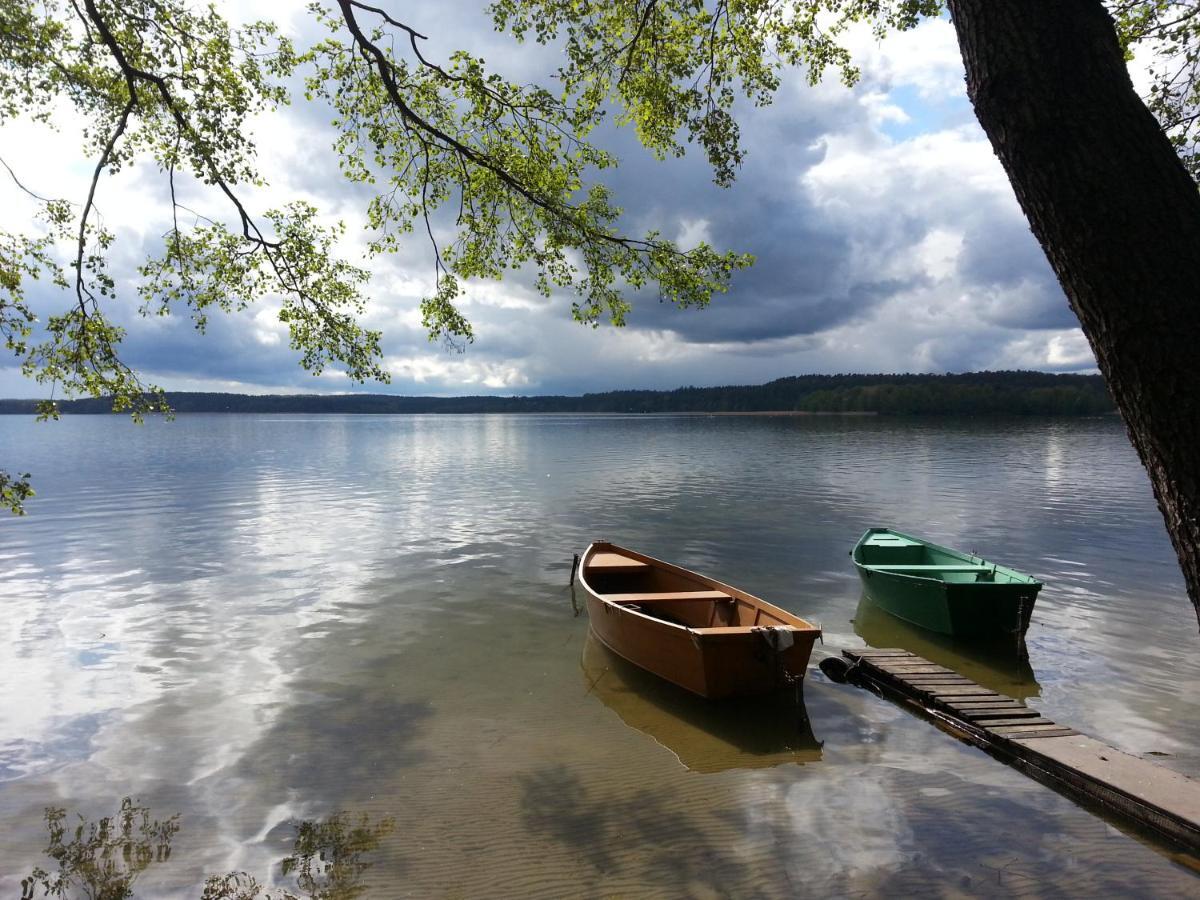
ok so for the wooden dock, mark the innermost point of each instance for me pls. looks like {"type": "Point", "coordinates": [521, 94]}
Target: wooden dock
{"type": "Point", "coordinates": [1125, 786]}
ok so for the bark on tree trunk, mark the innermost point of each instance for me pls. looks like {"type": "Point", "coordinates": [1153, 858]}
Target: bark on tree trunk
{"type": "Point", "coordinates": [1117, 215]}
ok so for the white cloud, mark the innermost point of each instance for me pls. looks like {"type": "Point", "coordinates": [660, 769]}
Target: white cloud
{"type": "Point", "coordinates": [693, 232]}
{"type": "Point", "coordinates": [447, 373]}
{"type": "Point", "coordinates": [882, 110]}
{"type": "Point", "coordinates": [938, 252]}
{"type": "Point", "coordinates": [926, 59]}
{"type": "Point", "coordinates": [1059, 350]}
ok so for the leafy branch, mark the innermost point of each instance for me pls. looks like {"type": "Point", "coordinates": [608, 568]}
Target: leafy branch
{"type": "Point", "coordinates": [512, 161]}
{"type": "Point", "coordinates": [1170, 31]}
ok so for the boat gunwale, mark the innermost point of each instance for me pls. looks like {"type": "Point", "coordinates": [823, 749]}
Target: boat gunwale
{"type": "Point", "coordinates": [736, 593]}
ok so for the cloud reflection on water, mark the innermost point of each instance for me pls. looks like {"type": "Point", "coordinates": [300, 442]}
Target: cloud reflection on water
{"type": "Point", "coordinates": [254, 620]}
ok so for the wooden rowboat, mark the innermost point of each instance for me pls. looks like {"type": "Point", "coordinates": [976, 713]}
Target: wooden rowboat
{"type": "Point", "coordinates": [698, 633]}
{"type": "Point", "coordinates": [944, 590]}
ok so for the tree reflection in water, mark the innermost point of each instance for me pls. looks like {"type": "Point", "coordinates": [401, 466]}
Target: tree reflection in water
{"type": "Point", "coordinates": [101, 860]}
{"type": "Point", "coordinates": [326, 860]}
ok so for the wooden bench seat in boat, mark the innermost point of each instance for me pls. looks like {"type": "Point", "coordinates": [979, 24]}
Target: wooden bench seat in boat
{"type": "Point", "coordinates": [890, 568]}
{"type": "Point", "coordinates": [655, 597]}
{"type": "Point", "coordinates": [723, 633]}
{"type": "Point", "coordinates": [737, 629]}
{"type": "Point", "coordinates": [615, 562]}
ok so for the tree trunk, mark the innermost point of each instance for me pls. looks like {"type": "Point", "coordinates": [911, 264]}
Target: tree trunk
{"type": "Point", "coordinates": [1117, 215]}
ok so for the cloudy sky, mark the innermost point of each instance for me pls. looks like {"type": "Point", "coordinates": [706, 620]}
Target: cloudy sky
{"type": "Point", "coordinates": [887, 239]}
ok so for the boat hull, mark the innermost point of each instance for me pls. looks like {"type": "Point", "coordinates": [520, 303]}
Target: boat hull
{"type": "Point", "coordinates": [949, 602]}
{"type": "Point", "coordinates": [959, 610]}
{"type": "Point", "coordinates": [729, 660]}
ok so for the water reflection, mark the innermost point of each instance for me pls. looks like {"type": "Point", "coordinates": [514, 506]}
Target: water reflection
{"type": "Point", "coordinates": [257, 620]}
{"type": "Point", "coordinates": [994, 664]}
{"type": "Point", "coordinates": [328, 862]}
{"type": "Point", "coordinates": [101, 860]}
{"type": "Point", "coordinates": [706, 736]}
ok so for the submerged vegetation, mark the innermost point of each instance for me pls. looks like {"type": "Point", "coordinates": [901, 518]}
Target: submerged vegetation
{"type": "Point", "coordinates": [977, 393]}
{"type": "Point", "coordinates": [101, 860]}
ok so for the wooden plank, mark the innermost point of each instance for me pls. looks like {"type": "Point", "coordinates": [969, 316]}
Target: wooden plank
{"type": "Point", "coordinates": [911, 669]}
{"type": "Point", "coordinates": [932, 686]}
{"type": "Point", "coordinates": [614, 562]}
{"type": "Point", "coordinates": [1027, 723]}
{"type": "Point", "coordinates": [666, 595]}
{"type": "Point", "coordinates": [1019, 725]}
{"type": "Point", "coordinates": [903, 661]}
{"type": "Point", "coordinates": [882, 567]}
{"type": "Point", "coordinates": [922, 676]}
{"type": "Point", "coordinates": [985, 702]}
{"type": "Point", "coordinates": [723, 630]}
{"type": "Point", "coordinates": [1010, 730]}
{"type": "Point", "coordinates": [1059, 731]}
{"type": "Point", "coordinates": [1146, 782]}
{"type": "Point", "coordinates": [872, 653]}
{"type": "Point", "coordinates": [972, 690]}
{"type": "Point", "coordinates": [985, 705]}
{"type": "Point", "coordinates": [937, 679]}
{"type": "Point", "coordinates": [987, 715]}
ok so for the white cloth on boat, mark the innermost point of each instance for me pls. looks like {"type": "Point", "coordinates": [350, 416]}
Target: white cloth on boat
{"type": "Point", "coordinates": [777, 638]}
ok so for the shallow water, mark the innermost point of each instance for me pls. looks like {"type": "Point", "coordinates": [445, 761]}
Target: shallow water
{"type": "Point", "coordinates": [255, 620]}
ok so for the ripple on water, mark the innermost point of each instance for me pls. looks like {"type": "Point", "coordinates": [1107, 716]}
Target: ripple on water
{"type": "Point", "coordinates": [245, 619]}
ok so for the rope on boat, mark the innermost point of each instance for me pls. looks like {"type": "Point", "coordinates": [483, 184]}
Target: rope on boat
{"type": "Point", "coordinates": [574, 568]}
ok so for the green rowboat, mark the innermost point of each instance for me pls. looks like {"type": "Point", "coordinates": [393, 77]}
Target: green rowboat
{"type": "Point", "coordinates": [944, 590]}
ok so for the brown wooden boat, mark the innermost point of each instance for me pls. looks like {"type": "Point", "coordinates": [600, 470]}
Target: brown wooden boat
{"type": "Point", "coordinates": [708, 637]}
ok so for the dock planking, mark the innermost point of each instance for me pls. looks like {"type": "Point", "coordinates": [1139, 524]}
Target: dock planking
{"type": "Point", "coordinates": [1057, 755]}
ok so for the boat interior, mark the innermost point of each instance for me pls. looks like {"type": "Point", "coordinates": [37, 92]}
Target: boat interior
{"type": "Point", "coordinates": [673, 597]}
{"type": "Point", "coordinates": [894, 553]}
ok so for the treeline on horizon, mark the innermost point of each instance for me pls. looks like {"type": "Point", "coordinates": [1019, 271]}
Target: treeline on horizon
{"type": "Point", "coordinates": [976, 393]}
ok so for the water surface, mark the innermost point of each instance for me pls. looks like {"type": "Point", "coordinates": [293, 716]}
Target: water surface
{"type": "Point", "coordinates": [256, 620]}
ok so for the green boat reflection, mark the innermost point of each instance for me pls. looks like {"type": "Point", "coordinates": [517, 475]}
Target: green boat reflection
{"type": "Point", "coordinates": [994, 664]}
{"type": "Point", "coordinates": [705, 735]}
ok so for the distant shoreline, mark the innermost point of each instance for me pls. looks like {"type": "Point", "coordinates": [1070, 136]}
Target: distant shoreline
{"type": "Point", "coordinates": [769, 413]}
{"type": "Point", "coordinates": [968, 394]}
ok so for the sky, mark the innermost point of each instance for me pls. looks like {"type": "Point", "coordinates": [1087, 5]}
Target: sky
{"type": "Point", "coordinates": [886, 234]}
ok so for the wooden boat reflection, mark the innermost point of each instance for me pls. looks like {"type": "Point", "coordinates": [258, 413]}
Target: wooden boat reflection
{"type": "Point", "coordinates": [752, 733]}
{"type": "Point", "coordinates": [705, 636]}
{"type": "Point", "coordinates": [995, 664]}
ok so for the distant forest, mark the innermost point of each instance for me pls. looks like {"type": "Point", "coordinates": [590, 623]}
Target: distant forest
{"type": "Point", "coordinates": [972, 394]}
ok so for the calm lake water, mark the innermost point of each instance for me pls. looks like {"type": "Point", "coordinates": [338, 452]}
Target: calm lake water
{"type": "Point", "coordinates": [256, 620]}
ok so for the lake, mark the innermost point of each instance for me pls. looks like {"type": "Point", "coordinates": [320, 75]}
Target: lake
{"type": "Point", "coordinates": [253, 621]}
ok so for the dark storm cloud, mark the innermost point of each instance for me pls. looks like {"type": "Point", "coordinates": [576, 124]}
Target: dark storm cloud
{"type": "Point", "coordinates": [228, 350]}
{"type": "Point", "coordinates": [802, 280]}
{"type": "Point", "coordinates": [1011, 278]}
